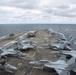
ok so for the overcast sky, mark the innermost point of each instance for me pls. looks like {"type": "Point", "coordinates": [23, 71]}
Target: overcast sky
{"type": "Point", "coordinates": [37, 11]}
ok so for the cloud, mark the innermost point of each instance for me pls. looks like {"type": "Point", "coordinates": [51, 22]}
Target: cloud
{"type": "Point", "coordinates": [68, 11]}
{"type": "Point", "coordinates": [37, 11]}
{"type": "Point", "coordinates": [63, 7]}
{"type": "Point", "coordinates": [29, 4]}
{"type": "Point", "coordinates": [65, 14]}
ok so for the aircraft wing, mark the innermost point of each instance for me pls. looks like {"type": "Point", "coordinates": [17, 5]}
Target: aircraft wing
{"type": "Point", "coordinates": [62, 72]}
{"type": "Point", "coordinates": [73, 54]}
{"type": "Point", "coordinates": [3, 54]}
{"type": "Point", "coordinates": [58, 70]}
{"type": "Point", "coordinates": [27, 46]}
{"type": "Point", "coordinates": [62, 59]}
{"type": "Point", "coordinates": [54, 66]}
{"type": "Point", "coordinates": [6, 53]}
{"type": "Point", "coordinates": [56, 45]}
{"type": "Point", "coordinates": [65, 72]}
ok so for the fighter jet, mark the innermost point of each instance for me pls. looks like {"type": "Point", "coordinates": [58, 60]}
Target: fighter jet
{"type": "Point", "coordinates": [57, 46]}
{"type": "Point", "coordinates": [60, 44]}
{"type": "Point", "coordinates": [42, 62]}
{"type": "Point", "coordinates": [7, 67]}
{"type": "Point", "coordinates": [25, 44]}
{"type": "Point", "coordinates": [59, 65]}
{"type": "Point", "coordinates": [57, 34]}
{"type": "Point", "coordinates": [21, 40]}
{"type": "Point", "coordinates": [62, 36]}
{"type": "Point", "coordinates": [67, 66]}
{"type": "Point", "coordinates": [68, 53]}
{"type": "Point", "coordinates": [10, 52]}
{"type": "Point", "coordinates": [68, 36]}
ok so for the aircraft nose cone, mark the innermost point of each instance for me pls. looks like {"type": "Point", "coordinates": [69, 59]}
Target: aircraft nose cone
{"type": "Point", "coordinates": [14, 68]}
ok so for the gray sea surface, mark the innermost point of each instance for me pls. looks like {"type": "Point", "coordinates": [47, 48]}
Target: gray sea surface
{"type": "Point", "coordinates": [6, 29]}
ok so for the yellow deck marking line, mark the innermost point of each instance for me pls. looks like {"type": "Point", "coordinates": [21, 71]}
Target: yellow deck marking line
{"type": "Point", "coordinates": [10, 43]}
{"type": "Point", "coordinates": [41, 68]}
{"type": "Point", "coordinates": [32, 55]}
{"type": "Point", "coordinates": [31, 73]}
{"type": "Point", "coordinates": [23, 35]}
{"type": "Point", "coordinates": [29, 56]}
{"type": "Point", "coordinates": [2, 37]}
{"type": "Point", "coordinates": [18, 34]}
{"type": "Point", "coordinates": [20, 63]}
{"type": "Point", "coordinates": [13, 40]}
{"type": "Point", "coordinates": [7, 36]}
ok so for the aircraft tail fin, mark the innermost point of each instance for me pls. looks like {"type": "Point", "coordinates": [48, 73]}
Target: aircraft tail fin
{"type": "Point", "coordinates": [3, 48]}
{"type": "Point", "coordinates": [73, 47]}
{"type": "Point", "coordinates": [70, 37]}
{"type": "Point", "coordinates": [63, 57]}
{"type": "Point", "coordinates": [69, 68]}
{"type": "Point", "coordinates": [64, 72]}
{"type": "Point", "coordinates": [63, 45]}
{"type": "Point", "coordinates": [19, 45]}
{"type": "Point", "coordinates": [66, 35]}
{"type": "Point", "coordinates": [19, 40]}
{"type": "Point", "coordinates": [71, 61]}
{"type": "Point", "coordinates": [72, 40]}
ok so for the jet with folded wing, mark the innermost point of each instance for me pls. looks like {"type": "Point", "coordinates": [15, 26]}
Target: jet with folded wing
{"type": "Point", "coordinates": [61, 67]}
{"type": "Point", "coordinates": [68, 53]}
{"type": "Point", "coordinates": [57, 34]}
{"type": "Point", "coordinates": [42, 62]}
{"type": "Point", "coordinates": [60, 45]}
{"type": "Point", "coordinates": [25, 41]}
{"type": "Point", "coordinates": [57, 46]}
{"type": "Point", "coordinates": [7, 67]}
{"type": "Point", "coordinates": [10, 52]}
{"type": "Point", "coordinates": [25, 44]}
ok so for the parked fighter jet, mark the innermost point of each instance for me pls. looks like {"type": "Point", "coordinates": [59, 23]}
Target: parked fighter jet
{"type": "Point", "coordinates": [60, 66]}
{"type": "Point", "coordinates": [21, 40]}
{"type": "Point", "coordinates": [10, 52]}
{"type": "Point", "coordinates": [68, 36]}
{"type": "Point", "coordinates": [7, 67]}
{"type": "Point", "coordinates": [57, 46]}
{"type": "Point", "coordinates": [71, 53]}
{"type": "Point", "coordinates": [57, 34]}
{"type": "Point", "coordinates": [62, 36]}
{"type": "Point", "coordinates": [42, 62]}
{"type": "Point", "coordinates": [60, 44]}
{"type": "Point", "coordinates": [69, 66]}
{"type": "Point", "coordinates": [25, 44]}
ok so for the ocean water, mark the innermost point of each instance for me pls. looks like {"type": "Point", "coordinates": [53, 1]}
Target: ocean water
{"type": "Point", "coordinates": [6, 29]}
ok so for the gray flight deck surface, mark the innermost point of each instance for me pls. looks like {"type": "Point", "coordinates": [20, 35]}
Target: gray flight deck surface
{"type": "Point", "coordinates": [23, 66]}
